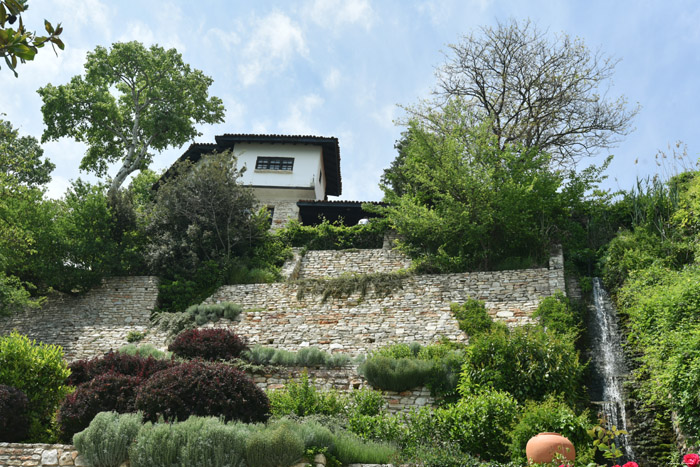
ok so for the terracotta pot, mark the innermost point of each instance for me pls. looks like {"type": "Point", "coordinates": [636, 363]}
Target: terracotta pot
{"type": "Point", "coordinates": [543, 447]}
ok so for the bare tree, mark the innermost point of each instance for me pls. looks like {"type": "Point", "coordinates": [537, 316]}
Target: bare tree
{"type": "Point", "coordinates": [534, 90]}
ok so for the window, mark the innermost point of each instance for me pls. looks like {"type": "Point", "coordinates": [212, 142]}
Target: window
{"type": "Point", "coordinates": [274, 163]}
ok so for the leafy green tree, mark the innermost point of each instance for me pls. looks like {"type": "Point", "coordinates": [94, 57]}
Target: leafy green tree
{"type": "Point", "coordinates": [20, 43]}
{"type": "Point", "coordinates": [21, 159]}
{"type": "Point", "coordinates": [159, 100]}
{"type": "Point", "coordinates": [465, 203]}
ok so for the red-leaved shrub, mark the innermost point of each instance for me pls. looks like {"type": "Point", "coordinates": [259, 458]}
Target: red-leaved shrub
{"type": "Point", "coordinates": [83, 371]}
{"type": "Point", "coordinates": [14, 419]}
{"type": "Point", "coordinates": [209, 344]}
{"type": "Point", "coordinates": [204, 389]}
{"type": "Point", "coordinates": [109, 392]}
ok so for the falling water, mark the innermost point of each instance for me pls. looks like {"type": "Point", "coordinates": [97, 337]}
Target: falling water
{"type": "Point", "coordinates": [608, 364]}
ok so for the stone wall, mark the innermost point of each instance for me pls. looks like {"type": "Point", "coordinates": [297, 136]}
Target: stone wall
{"type": "Point", "coordinates": [39, 455]}
{"type": "Point", "coordinates": [417, 312]}
{"type": "Point", "coordinates": [343, 380]}
{"type": "Point", "coordinates": [328, 263]}
{"type": "Point", "coordinates": [91, 324]}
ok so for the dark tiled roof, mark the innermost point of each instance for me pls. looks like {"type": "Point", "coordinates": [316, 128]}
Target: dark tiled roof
{"type": "Point", "coordinates": [329, 146]}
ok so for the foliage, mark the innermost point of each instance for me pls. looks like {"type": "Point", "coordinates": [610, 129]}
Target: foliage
{"type": "Point", "coordinates": [527, 362]}
{"type": "Point", "coordinates": [472, 317]}
{"type": "Point", "coordinates": [383, 283]}
{"type": "Point", "coordinates": [550, 415]}
{"type": "Point", "coordinates": [301, 398]}
{"type": "Point", "coordinates": [14, 296]}
{"type": "Point", "coordinates": [465, 203]}
{"type": "Point", "coordinates": [208, 344]}
{"type": "Point", "coordinates": [39, 371]}
{"type": "Point", "coordinates": [604, 439]}
{"type": "Point", "coordinates": [105, 443]}
{"type": "Point", "coordinates": [334, 236]}
{"type": "Point", "coordinates": [176, 322]}
{"type": "Point", "coordinates": [196, 388]}
{"type": "Point", "coordinates": [352, 450]}
{"type": "Point", "coordinates": [306, 357]}
{"type": "Point", "coordinates": [21, 158]}
{"type": "Point", "coordinates": [106, 392]}
{"type": "Point", "coordinates": [215, 444]}
{"type": "Point", "coordinates": [274, 447]}
{"type": "Point", "coordinates": [14, 414]}
{"type": "Point", "coordinates": [160, 444]}
{"type": "Point", "coordinates": [159, 100]}
{"type": "Point", "coordinates": [557, 314]}
{"type": "Point", "coordinates": [82, 371]}
{"type": "Point", "coordinates": [395, 374]}
{"type": "Point", "coordinates": [537, 91]}
{"type": "Point", "coordinates": [135, 336]}
{"type": "Point", "coordinates": [144, 351]}
{"type": "Point", "coordinates": [20, 43]}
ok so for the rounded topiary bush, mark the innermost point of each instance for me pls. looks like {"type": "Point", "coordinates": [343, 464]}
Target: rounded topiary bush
{"type": "Point", "coordinates": [14, 418]}
{"type": "Point", "coordinates": [204, 389]}
{"type": "Point", "coordinates": [209, 344]}
{"type": "Point", "coordinates": [108, 392]}
{"type": "Point", "coordinates": [83, 371]}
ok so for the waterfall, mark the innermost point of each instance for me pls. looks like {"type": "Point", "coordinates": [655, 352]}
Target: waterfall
{"type": "Point", "coordinates": [608, 364]}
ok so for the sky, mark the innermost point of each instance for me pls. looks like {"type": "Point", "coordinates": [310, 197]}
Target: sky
{"type": "Point", "coordinates": [343, 68]}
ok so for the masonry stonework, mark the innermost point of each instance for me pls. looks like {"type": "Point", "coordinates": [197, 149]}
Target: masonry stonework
{"type": "Point", "coordinates": [91, 324]}
{"type": "Point", "coordinates": [328, 263]}
{"type": "Point", "coordinates": [39, 455]}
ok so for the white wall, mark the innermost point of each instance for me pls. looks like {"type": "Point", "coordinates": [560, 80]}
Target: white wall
{"type": "Point", "coordinates": [308, 164]}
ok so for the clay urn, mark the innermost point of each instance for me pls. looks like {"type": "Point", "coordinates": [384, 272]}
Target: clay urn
{"type": "Point", "coordinates": [544, 447]}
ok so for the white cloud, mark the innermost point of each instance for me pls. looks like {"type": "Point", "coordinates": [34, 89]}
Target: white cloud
{"type": "Point", "coordinates": [225, 39]}
{"type": "Point", "coordinates": [300, 111]}
{"type": "Point", "coordinates": [74, 13]}
{"type": "Point", "coordinates": [275, 40]}
{"type": "Point", "coordinates": [138, 31]}
{"type": "Point", "coordinates": [384, 116]}
{"type": "Point", "coordinates": [336, 13]}
{"type": "Point", "coordinates": [332, 79]}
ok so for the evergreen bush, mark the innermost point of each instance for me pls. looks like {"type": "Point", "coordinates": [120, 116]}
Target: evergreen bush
{"type": "Point", "coordinates": [472, 317]}
{"type": "Point", "coordinates": [105, 393]}
{"type": "Point", "coordinates": [106, 442]}
{"type": "Point", "coordinates": [208, 344]}
{"type": "Point", "coordinates": [14, 415]}
{"type": "Point", "coordinates": [158, 445]}
{"type": "Point", "coordinates": [144, 351]}
{"type": "Point", "coordinates": [278, 446]}
{"type": "Point", "coordinates": [352, 450]}
{"type": "Point", "coordinates": [203, 389]}
{"type": "Point", "coordinates": [395, 374]}
{"type": "Point", "coordinates": [308, 357]}
{"type": "Point", "coordinates": [216, 444]}
{"type": "Point", "coordinates": [40, 372]}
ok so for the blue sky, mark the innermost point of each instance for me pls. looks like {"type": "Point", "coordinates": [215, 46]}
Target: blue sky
{"type": "Point", "coordinates": [339, 68]}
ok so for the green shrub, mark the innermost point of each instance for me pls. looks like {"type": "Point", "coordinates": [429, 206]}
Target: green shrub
{"type": "Point", "coordinates": [472, 317]}
{"type": "Point", "coordinates": [334, 236]}
{"type": "Point", "coordinates": [343, 286]}
{"type": "Point", "coordinates": [301, 398]}
{"type": "Point", "coordinates": [308, 357]}
{"type": "Point", "coordinates": [352, 450]}
{"type": "Point", "coordinates": [177, 293]}
{"type": "Point", "coordinates": [366, 402]}
{"type": "Point", "coordinates": [135, 336]}
{"type": "Point", "coordinates": [557, 314]}
{"type": "Point", "coordinates": [216, 445]}
{"type": "Point", "coordinates": [40, 372]}
{"type": "Point", "coordinates": [106, 441]}
{"type": "Point", "coordinates": [527, 362]}
{"type": "Point", "coordinates": [279, 446]}
{"type": "Point", "coordinates": [144, 350]}
{"type": "Point", "coordinates": [400, 350]}
{"type": "Point", "coordinates": [479, 424]}
{"type": "Point", "coordinates": [159, 445]}
{"type": "Point", "coordinates": [176, 322]}
{"type": "Point", "coordinates": [395, 374]}
{"type": "Point", "coordinates": [316, 436]}
{"type": "Point", "coordinates": [551, 415]}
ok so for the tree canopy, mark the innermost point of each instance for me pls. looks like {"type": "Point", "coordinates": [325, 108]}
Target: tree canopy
{"type": "Point", "coordinates": [158, 101]}
{"type": "Point", "coordinates": [533, 90]}
{"type": "Point", "coordinates": [20, 43]}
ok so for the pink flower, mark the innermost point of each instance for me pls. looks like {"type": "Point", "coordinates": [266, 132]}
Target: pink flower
{"type": "Point", "coordinates": [691, 460]}
{"type": "Point", "coordinates": [631, 464]}
{"type": "Point", "coordinates": [616, 465]}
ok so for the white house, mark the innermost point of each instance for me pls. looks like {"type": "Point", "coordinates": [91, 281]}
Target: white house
{"type": "Point", "coordinates": [283, 170]}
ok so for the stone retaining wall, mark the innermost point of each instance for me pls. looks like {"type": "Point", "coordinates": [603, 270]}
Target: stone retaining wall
{"type": "Point", "coordinates": [417, 312]}
{"type": "Point", "coordinates": [91, 324]}
{"type": "Point", "coordinates": [344, 380]}
{"type": "Point", "coordinates": [39, 455]}
{"type": "Point", "coordinates": [329, 263]}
